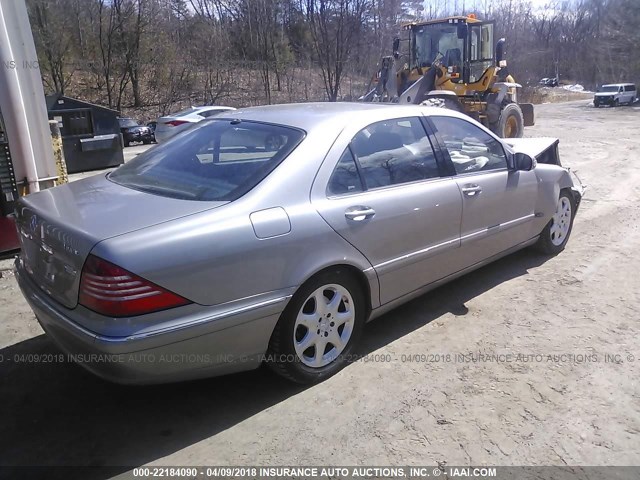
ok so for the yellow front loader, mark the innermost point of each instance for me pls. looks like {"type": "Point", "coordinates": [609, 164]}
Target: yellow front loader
{"type": "Point", "coordinates": [452, 63]}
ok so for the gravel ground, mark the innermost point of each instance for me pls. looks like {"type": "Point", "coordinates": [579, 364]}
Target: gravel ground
{"type": "Point", "coordinates": [528, 361]}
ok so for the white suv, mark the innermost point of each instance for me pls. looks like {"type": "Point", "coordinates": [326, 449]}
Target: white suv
{"type": "Point", "coordinates": [615, 94]}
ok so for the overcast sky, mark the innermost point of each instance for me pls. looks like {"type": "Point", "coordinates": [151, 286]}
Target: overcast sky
{"type": "Point", "coordinates": [469, 4]}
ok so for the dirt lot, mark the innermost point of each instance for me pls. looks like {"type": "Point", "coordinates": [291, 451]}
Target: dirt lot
{"type": "Point", "coordinates": [470, 400]}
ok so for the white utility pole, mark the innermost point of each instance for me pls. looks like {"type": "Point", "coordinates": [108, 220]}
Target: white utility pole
{"type": "Point", "coordinates": [22, 102]}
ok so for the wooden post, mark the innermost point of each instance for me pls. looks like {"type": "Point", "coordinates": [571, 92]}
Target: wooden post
{"type": "Point", "coordinates": [58, 152]}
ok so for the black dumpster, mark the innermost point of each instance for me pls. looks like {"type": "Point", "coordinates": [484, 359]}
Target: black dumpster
{"type": "Point", "coordinates": [91, 137]}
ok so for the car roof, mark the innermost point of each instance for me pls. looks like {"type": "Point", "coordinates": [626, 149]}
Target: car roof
{"type": "Point", "coordinates": [617, 84]}
{"type": "Point", "coordinates": [316, 115]}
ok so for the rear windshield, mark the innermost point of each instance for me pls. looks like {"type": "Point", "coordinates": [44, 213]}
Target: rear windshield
{"type": "Point", "coordinates": [127, 122]}
{"type": "Point", "coordinates": [215, 160]}
{"type": "Point", "coordinates": [184, 112]}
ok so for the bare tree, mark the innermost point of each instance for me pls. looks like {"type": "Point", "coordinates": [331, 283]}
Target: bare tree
{"type": "Point", "coordinates": [52, 34]}
{"type": "Point", "coordinates": [143, 55]}
{"type": "Point", "coordinates": [336, 27]}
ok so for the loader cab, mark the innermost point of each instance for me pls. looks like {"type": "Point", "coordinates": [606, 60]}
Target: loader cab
{"type": "Point", "coordinates": [465, 43]}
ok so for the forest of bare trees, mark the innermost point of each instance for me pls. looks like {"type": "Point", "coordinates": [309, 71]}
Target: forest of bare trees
{"type": "Point", "coordinates": [157, 56]}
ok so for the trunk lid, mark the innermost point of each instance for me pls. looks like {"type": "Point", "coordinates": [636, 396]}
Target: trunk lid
{"type": "Point", "coordinates": [59, 227]}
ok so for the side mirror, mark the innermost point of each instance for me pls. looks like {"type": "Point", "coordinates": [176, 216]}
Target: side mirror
{"type": "Point", "coordinates": [463, 30]}
{"type": "Point", "coordinates": [522, 161]}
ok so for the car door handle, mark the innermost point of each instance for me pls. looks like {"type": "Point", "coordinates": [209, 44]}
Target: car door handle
{"type": "Point", "coordinates": [471, 190]}
{"type": "Point", "coordinates": [359, 213]}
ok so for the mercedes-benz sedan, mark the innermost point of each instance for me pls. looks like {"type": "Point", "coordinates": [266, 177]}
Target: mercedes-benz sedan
{"type": "Point", "coordinates": [273, 234]}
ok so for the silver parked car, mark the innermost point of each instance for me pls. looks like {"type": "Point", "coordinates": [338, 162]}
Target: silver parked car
{"type": "Point", "coordinates": [275, 233]}
{"type": "Point", "coordinates": [171, 125]}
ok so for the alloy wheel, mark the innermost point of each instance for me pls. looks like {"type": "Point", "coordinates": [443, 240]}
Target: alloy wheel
{"type": "Point", "coordinates": [324, 325]}
{"type": "Point", "coordinates": [561, 221]}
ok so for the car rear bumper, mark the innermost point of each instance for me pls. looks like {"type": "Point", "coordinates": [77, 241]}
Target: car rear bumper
{"type": "Point", "coordinates": [203, 349]}
{"type": "Point", "coordinates": [163, 135]}
{"type": "Point", "coordinates": [138, 137]}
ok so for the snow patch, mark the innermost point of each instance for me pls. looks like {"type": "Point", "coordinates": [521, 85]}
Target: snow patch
{"type": "Point", "coordinates": [575, 88]}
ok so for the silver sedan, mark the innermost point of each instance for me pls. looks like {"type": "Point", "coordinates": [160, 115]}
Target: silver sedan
{"type": "Point", "coordinates": [273, 234]}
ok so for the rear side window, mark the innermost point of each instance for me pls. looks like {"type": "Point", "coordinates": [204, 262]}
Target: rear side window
{"type": "Point", "coordinates": [394, 152]}
{"type": "Point", "coordinates": [345, 177]}
{"type": "Point", "coordinates": [217, 160]}
{"type": "Point", "coordinates": [471, 149]}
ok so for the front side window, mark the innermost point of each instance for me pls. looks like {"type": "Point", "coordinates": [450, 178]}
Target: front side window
{"type": "Point", "coordinates": [471, 149]}
{"type": "Point", "coordinates": [429, 40]}
{"type": "Point", "coordinates": [394, 152]}
{"type": "Point", "coordinates": [216, 160]}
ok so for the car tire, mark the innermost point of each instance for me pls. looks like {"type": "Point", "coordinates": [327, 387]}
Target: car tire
{"type": "Point", "coordinates": [305, 324]}
{"type": "Point", "coordinates": [146, 142]}
{"type": "Point", "coordinates": [555, 235]}
{"type": "Point", "coordinates": [510, 123]}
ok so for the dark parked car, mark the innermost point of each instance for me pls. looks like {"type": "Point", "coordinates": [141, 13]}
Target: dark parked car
{"type": "Point", "coordinates": [549, 82]}
{"type": "Point", "coordinates": [132, 131]}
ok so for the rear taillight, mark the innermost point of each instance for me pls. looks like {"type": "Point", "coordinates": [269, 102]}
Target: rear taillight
{"type": "Point", "coordinates": [110, 290]}
{"type": "Point", "coordinates": [175, 123]}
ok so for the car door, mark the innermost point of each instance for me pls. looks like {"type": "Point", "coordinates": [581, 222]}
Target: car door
{"type": "Point", "coordinates": [385, 194]}
{"type": "Point", "coordinates": [498, 204]}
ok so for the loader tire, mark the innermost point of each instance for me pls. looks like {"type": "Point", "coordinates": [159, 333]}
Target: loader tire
{"type": "Point", "coordinates": [510, 124]}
